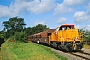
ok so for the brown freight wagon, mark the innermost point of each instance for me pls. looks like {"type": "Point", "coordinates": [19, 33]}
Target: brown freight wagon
{"type": "Point", "coordinates": [32, 38]}
{"type": "Point", "coordinates": [41, 37]}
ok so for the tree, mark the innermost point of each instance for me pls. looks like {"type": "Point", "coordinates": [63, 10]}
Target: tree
{"type": "Point", "coordinates": [28, 31]}
{"type": "Point", "coordinates": [20, 36]}
{"type": "Point", "coordinates": [36, 29]}
{"type": "Point", "coordinates": [14, 24]}
{"type": "Point", "coordinates": [39, 28]}
{"type": "Point", "coordinates": [1, 34]}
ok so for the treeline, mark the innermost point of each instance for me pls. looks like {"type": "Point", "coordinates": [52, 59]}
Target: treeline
{"type": "Point", "coordinates": [86, 36]}
{"type": "Point", "coordinates": [15, 29]}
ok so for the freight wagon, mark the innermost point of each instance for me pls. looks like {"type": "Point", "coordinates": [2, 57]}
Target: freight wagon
{"type": "Point", "coordinates": [64, 37]}
{"type": "Point", "coordinates": [42, 37]}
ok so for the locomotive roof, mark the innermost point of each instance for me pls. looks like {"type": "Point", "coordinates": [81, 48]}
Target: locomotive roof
{"type": "Point", "coordinates": [67, 25]}
{"type": "Point", "coordinates": [46, 31]}
{"type": "Point", "coordinates": [72, 25]}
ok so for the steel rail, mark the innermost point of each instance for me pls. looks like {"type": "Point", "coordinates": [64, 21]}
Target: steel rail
{"type": "Point", "coordinates": [79, 56]}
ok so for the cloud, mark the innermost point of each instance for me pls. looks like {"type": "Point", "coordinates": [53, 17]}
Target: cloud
{"type": "Point", "coordinates": [68, 6]}
{"type": "Point", "coordinates": [81, 16]}
{"type": "Point", "coordinates": [40, 22]}
{"type": "Point", "coordinates": [62, 20]}
{"type": "Point", "coordinates": [88, 8]}
{"type": "Point", "coordinates": [62, 9]}
{"type": "Point", "coordinates": [19, 6]}
{"type": "Point", "coordinates": [85, 27]}
{"type": "Point", "coordinates": [13, 10]}
{"type": "Point", "coordinates": [74, 2]}
{"type": "Point", "coordinates": [36, 22]}
{"type": "Point", "coordinates": [43, 6]}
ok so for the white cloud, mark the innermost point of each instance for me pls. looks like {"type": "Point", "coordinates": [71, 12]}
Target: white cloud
{"type": "Point", "coordinates": [3, 11]}
{"type": "Point", "coordinates": [40, 22]}
{"type": "Point", "coordinates": [36, 22]}
{"type": "Point", "coordinates": [74, 2]}
{"type": "Point", "coordinates": [43, 6]}
{"type": "Point", "coordinates": [68, 6]}
{"type": "Point", "coordinates": [85, 27]}
{"type": "Point", "coordinates": [88, 27]}
{"type": "Point", "coordinates": [81, 16]}
{"type": "Point", "coordinates": [61, 9]}
{"type": "Point", "coordinates": [62, 20]}
{"type": "Point", "coordinates": [13, 10]}
{"type": "Point", "coordinates": [20, 6]}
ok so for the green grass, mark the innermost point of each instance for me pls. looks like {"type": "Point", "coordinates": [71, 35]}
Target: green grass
{"type": "Point", "coordinates": [29, 51]}
{"type": "Point", "coordinates": [0, 53]}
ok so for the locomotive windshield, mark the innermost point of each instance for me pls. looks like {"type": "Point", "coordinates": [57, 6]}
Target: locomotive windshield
{"type": "Point", "coordinates": [66, 27]}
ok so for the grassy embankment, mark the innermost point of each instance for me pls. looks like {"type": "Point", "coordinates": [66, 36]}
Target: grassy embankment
{"type": "Point", "coordinates": [0, 53]}
{"type": "Point", "coordinates": [28, 51]}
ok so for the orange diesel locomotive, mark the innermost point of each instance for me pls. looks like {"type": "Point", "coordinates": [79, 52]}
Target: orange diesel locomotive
{"type": "Point", "coordinates": [65, 37]}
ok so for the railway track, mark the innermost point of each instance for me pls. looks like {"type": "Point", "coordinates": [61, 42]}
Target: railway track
{"type": "Point", "coordinates": [84, 53]}
{"type": "Point", "coordinates": [81, 54]}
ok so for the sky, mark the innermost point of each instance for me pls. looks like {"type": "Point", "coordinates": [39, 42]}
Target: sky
{"type": "Point", "coordinates": [52, 13]}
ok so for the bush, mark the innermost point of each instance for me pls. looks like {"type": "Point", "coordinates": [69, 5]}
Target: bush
{"type": "Point", "coordinates": [20, 36]}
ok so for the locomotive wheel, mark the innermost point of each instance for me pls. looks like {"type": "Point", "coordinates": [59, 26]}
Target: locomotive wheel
{"type": "Point", "coordinates": [51, 44]}
{"type": "Point", "coordinates": [59, 47]}
{"type": "Point", "coordinates": [68, 47]}
{"type": "Point", "coordinates": [38, 42]}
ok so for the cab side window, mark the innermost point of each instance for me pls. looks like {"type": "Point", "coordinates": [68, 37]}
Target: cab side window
{"type": "Point", "coordinates": [62, 28]}
{"type": "Point", "coordinates": [68, 27]}
{"type": "Point", "coordinates": [65, 27]}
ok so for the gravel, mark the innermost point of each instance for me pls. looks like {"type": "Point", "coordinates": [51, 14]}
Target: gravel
{"type": "Point", "coordinates": [86, 50]}
{"type": "Point", "coordinates": [69, 56]}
